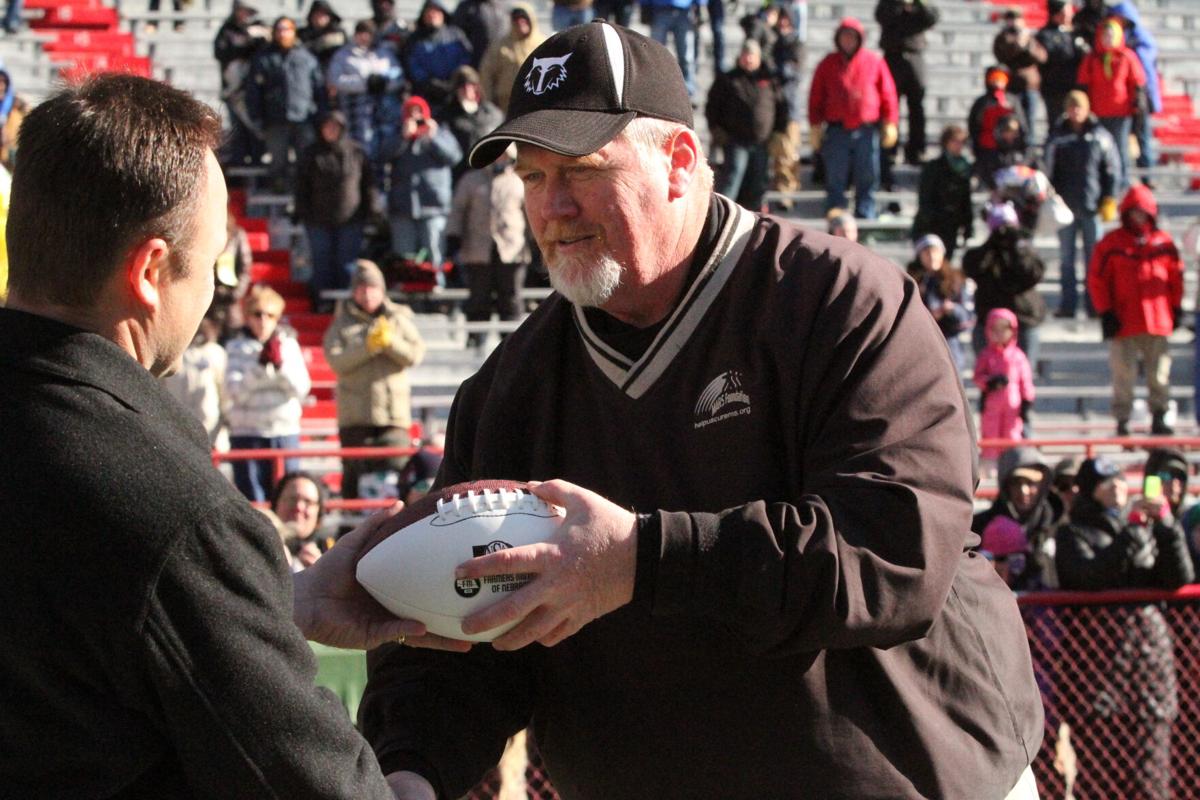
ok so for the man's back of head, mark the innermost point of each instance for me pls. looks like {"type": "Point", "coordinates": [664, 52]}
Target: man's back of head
{"type": "Point", "coordinates": [106, 164]}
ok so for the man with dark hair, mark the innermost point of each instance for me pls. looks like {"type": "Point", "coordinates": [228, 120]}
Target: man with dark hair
{"type": "Point", "coordinates": [1064, 51]}
{"type": "Point", "coordinates": [762, 586]}
{"type": "Point", "coordinates": [149, 647]}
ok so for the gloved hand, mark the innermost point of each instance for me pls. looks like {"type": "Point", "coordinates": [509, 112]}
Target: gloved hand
{"type": "Point", "coordinates": [889, 135]}
{"type": "Point", "coordinates": [814, 137]}
{"type": "Point", "coordinates": [379, 337]}
{"type": "Point", "coordinates": [376, 84]}
{"type": "Point", "coordinates": [272, 353]}
{"type": "Point", "coordinates": [1108, 209]}
{"type": "Point", "coordinates": [1177, 315]}
{"type": "Point", "coordinates": [1025, 407]}
{"type": "Point", "coordinates": [1109, 325]}
{"type": "Point", "coordinates": [997, 382]}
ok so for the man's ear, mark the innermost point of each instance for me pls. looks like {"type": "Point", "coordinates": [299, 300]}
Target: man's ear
{"type": "Point", "coordinates": [147, 268]}
{"type": "Point", "coordinates": [684, 151]}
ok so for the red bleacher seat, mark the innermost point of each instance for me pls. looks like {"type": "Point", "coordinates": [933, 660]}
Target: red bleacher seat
{"type": "Point", "coordinates": [266, 272]}
{"type": "Point", "coordinates": [77, 17]}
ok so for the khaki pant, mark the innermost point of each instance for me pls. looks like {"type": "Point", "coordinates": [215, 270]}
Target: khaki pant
{"type": "Point", "coordinates": [784, 150]}
{"type": "Point", "coordinates": [1123, 357]}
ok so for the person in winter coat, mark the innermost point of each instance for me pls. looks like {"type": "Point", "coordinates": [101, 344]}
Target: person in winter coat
{"type": "Point", "coordinates": [945, 291]}
{"type": "Point", "coordinates": [1064, 50]}
{"type": "Point", "coordinates": [504, 57]}
{"type": "Point", "coordinates": [1024, 482]}
{"type": "Point", "coordinates": [1016, 47]}
{"type": "Point", "coordinates": [989, 110]}
{"type": "Point", "coordinates": [486, 234]}
{"type": "Point", "coordinates": [371, 344]}
{"type": "Point", "coordinates": [1136, 281]}
{"type": "Point", "coordinates": [483, 22]}
{"type": "Point", "coordinates": [741, 116]}
{"type": "Point", "coordinates": [241, 36]}
{"type": "Point", "coordinates": [433, 52]}
{"type": "Point", "coordinates": [1132, 686]}
{"type": "Point", "coordinates": [365, 81]}
{"type": "Point", "coordinates": [852, 112]}
{"type": "Point", "coordinates": [1114, 80]}
{"type": "Point", "coordinates": [1080, 159]}
{"type": "Point", "coordinates": [334, 196]}
{"type": "Point", "coordinates": [902, 26]}
{"type": "Point", "coordinates": [788, 57]}
{"type": "Point", "coordinates": [389, 30]}
{"type": "Point", "coordinates": [1139, 39]}
{"type": "Point", "coordinates": [266, 382]}
{"type": "Point", "coordinates": [422, 184]}
{"type": "Point", "coordinates": [468, 115]}
{"type": "Point", "coordinates": [1005, 379]}
{"type": "Point", "coordinates": [944, 193]}
{"type": "Point", "coordinates": [1088, 17]}
{"type": "Point", "coordinates": [283, 96]}
{"type": "Point", "coordinates": [1006, 269]}
{"type": "Point", "coordinates": [1173, 470]}
{"type": "Point", "coordinates": [323, 35]}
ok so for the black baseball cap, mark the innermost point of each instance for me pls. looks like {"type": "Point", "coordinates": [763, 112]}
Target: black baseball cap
{"type": "Point", "coordinates": [582, 86]}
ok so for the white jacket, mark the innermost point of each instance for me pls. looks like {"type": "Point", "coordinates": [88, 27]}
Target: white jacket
{"type": "Point", "coordinates": [265, 401]}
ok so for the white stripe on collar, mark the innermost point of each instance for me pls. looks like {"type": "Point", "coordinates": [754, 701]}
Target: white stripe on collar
{"type": "Point", "coordinates": [636, 378]}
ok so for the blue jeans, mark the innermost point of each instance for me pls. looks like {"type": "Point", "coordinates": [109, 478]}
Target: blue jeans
{"type": "Point", "coordinates": [12, 17]}
{"type": "Point", "coordinates": [1145, 138]}
{"type": "Point", "coordinates": [562, 17]}
{"type": "Point", "coordinates": [1087, 224]}
{"type": "Point", "coordinates": [677, 22]}
{"type": "Point", "coordinates": [1029, 102]}
{"type": "Point", "coordinates": [840, 148]}
{"type": "Point", "coordinates": [743, 176]}
{"type": "Point", "coordinates": [716, 21]}
{"type": "Point", "coordinates": [1120, 127]}
{"type": "Point", "coordinates": [255, 479]}
{"type": "Point", "coordinates": [332, 252]}
{"type": "Point", "coordinates": [410, 236]}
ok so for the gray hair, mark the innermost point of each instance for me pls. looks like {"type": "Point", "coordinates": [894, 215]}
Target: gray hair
{"type": "Point", "coordinates": [648, 135]}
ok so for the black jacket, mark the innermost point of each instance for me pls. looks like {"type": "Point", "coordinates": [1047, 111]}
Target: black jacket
{"type": "Point", "coordinates": [903, 25]}
{"type": "Point", "coordinates": [468, 127]}
{"type": "Point", "coordinates": [1006, 269]}
{"type": "Point", "coordinates": [743, 105]}
{"type": "Point", "coordinates": [146, 647]}
{"type": "Point", "coordinates": [334, 183]}
{"type": "Point", "coordinates": [944, 197]}
{"type": "Point", "coordinates": [1082, 166]}
{"type": "Point", "coordinates": [1064, 51]}
{"type": "Point", "coordinates": [1097, 551]}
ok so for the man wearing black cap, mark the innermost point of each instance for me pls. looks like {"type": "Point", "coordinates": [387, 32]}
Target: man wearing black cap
{"type": "Point", "coordinates": [765, 589]}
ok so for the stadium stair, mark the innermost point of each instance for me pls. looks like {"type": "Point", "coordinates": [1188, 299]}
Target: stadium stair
{"type": "Point", "coordinates": [86, 38]}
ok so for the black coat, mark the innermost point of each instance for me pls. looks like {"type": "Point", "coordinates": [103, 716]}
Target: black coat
{"type": "Point", "coordinates": [1006, 270]}
{"type": "Point", "coordinates": [903, 25]}
{"type": "Point", "coordinates": [1064, 51]}
{"type": "Point", "coordinates": [1098, 551]}
{"type": "Point", "coordinates": [1082, 166]}
{"type": "Point", "coordinates": [743, 105]}
{"type": "Point", "coordinates": [334, 184]}
{"type": "Point", "coordinates": [468, 127]}
{"type": "Point", "coordinates": [147, 648]}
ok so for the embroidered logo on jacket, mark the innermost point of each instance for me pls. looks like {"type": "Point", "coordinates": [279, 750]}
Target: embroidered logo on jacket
{"type": "Point", "coordinates": [721, 399]}
{"type": "Point", "coordinates": [546, 74]}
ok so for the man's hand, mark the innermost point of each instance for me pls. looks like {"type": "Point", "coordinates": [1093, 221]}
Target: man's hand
{"type": "Point", "coordinates": [332, 608]}
{"type": "Point", "coordinates": [410, 786]}
{"type": "Point", "coordinates": [584, 571]}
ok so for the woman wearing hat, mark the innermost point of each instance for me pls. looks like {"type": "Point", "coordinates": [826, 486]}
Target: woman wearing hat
{"type": "Point", "coordinates": [945, 291]}
{"type": "Point", "coordinates": [1132, 681]}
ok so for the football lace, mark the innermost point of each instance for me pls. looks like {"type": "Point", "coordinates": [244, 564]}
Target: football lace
{"type": "Point", "coordinates": [460, 505]}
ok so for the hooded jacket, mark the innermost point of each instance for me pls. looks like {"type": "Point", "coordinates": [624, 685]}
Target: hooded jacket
{"type": "Point", "coordinates": [504, 58]}
{"type": "Point", "coordinates": [323, 42]}
{"type": "Point", "coordinates": [1006, 269]}
{"type": "Point", "coordinates": [1038, 524]}
{"type": "Point", "coordinates": [430, 56]}
{"type": "Point", "coordinates": [1018, 49]}
{"type": "Point", "coordinates": [742, 105]}
{"type": "Point", "coordinates": [333, 182]}
{"type": "Point", "coordinates": [903, 24]}
{"type": "Point", "coordinates": [1140, 278]}
{"type": "Point", "coordinates": [1139, 39]}
{"type": "Point", "coordinates": [1082, 165]}
{"type": "Point", "coordinates": [853, 90]}
{"type": "Point", "coordinates": [422, 183]}
{"type": "Point", "coordinates": [1112, 77]}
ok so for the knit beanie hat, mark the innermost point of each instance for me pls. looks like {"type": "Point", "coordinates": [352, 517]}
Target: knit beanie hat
{"type": "Point", "coordinates": [1004, 536]}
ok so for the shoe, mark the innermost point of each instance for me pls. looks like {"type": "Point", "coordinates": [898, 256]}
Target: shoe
{"type": "Point", "coordinates": [1159, 426]}
{"type": "Point", "coordinates": [1122, 428]}
{"type": "Point", "coordinates": [1064, 313]}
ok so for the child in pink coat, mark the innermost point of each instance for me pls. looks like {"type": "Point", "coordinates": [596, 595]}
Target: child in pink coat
{"type": "Point", "coordinates": [1003, 375]}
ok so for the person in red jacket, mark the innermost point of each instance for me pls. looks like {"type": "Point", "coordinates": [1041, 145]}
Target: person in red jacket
{"type": "Point", "coordinates": [1115, 83]}
{"type": "Point", "coordinates": [1136, 282]}
{"type": "Point", "coordinates": [852, 110]}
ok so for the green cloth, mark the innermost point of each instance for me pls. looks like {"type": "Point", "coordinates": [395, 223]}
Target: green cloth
{"type": "Point", "coordinates": [344, 672]}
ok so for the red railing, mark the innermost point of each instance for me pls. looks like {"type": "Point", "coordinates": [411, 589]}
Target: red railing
{"type": "Point", "coordinates": [1119, 673]}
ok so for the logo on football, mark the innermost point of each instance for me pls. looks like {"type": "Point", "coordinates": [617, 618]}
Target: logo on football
{"type": "Point", "coordinates": [411, 571]}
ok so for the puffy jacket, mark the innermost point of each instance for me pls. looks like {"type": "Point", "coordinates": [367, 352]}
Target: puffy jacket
{"type": "Point", "coordinates": [1064, 51]}
{"type": "Point", "coordinates": [373, 388]}
{"type": "Point", "coordinates": [944, 196]}
{"type": "Point", "coordinates": [1113, 79]}
{"type": "Point", "coordinates": [1140, 278]}
{"type": "Point", "coordinates": [853, 91]}
{"type": "Point", "coordinates": [422, 183]}
{"type": "Point", "coordinates": [742, 105]}
{"type": "Point", "coordinates": [430, 57]}
{"type": "Point", "coordinates": [504, 58]}
{"type": "Point", "coordinates": [1006, 270]}
{"type": "Point", "coordinates": [263, 400]}
{"type": "Point", "coordinates": [1098, 551]}
{"type": "Point", "coordinates": [1082, 165]}
{"type": "Point", "coordinates": [903, 24]}
{"type": "Point", "coordinates": [333, 183]}
{"type": "Point", "coordinates": [284, 86]}
{"type": "Point", "coordinates": [986, 112]}
{"type": "Point", "coordinates": [1142, 42]}
{"type": "Point", "coordinates": [468, 127]}
{"type": "Point", "coordinates": [489, 211]}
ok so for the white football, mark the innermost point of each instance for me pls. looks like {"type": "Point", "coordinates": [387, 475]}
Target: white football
{"type": "Point", "coordinates": [411, 571]}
